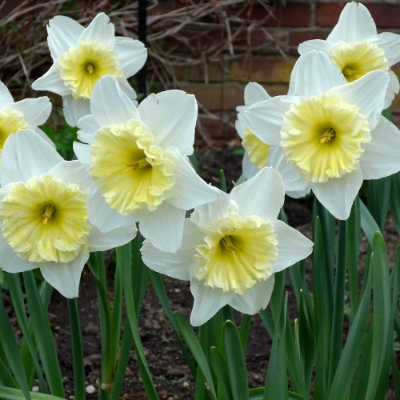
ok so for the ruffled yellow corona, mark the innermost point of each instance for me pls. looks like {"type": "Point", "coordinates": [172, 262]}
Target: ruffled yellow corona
{"type": "Point", "coordinates": [82, 66]}
{"type": "Point", "coordinates": [130, 170]}
{"type": "Point", "coordinates": [44, 219]}
{"type": "Point", "coordinates": [237, 254]}
{"type": "Point", "coordinates": [356, 60]}
{"type": "Point", "coordinates": [10, 122]}
{"type": "Point", "coordinates": [256, 149]}
{"type": "Point", "coordinates": [323, 136]}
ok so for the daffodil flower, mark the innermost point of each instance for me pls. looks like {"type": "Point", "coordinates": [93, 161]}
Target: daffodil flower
{"type": "Point", "coordinates": [232, 248]}
{"type": "Point", "coordinates": [138, 158]}
{"type": "Point", "coordinates": [45, 214]}
{"type": "Point", "coordinates": [356, 48]}
{"type": "Point", "coordinates": [330, 131]}
{"type": "Point", "coordinates": [259, 154]}
{"type": "Point", "coordinates": [82, 56]}
{"type": "Point", "coordinates": [24, 114]}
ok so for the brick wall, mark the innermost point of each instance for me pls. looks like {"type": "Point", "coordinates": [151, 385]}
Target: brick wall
{"type": "Point", "coordinates": [218, 83]}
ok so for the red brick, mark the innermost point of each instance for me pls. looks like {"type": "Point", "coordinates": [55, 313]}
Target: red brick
{"type": "Point", "coordinates": [261, 70]}
{"type": "Point", "coordinates": [385, 15]}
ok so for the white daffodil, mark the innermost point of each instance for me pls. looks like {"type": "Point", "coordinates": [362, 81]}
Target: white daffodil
{"type": "Point", "coordinates": [24, 114]}
{"type": "Point", "coordinates": [232, 248]}
{"type": "Point", "coordinates": [138, 158]}
{"type": "Point", "coordinates": [356, 48]}
{"type": "Point", "coordinates": [45, 214]}
{"type": "Point", "coordinates": [259, 154]}
{"type": "Point", "coordinates": [330, 131]}
{"type": "Point", "coordinates": [82, 56]}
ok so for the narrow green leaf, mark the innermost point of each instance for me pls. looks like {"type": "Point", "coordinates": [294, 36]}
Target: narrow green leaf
{"type": "Point", "coordinates": [244, 330]}
{"type": "Point", "coordinates": [196, 349]}
{"type": "Point", "coordinates": [77, 350]}
{"type": "Point", "coordinates": [368, 224]}
{"type": "Point", "coordinates": [396, 375]}
{"type": "Point", "coordinates": [44, 337]}
{"type": "Point", "coordinates": [222, 180]}
{"type": "Point", "coordinates": [338, 306]}
{"type": "Point", "coordinates": [10, 347]}
{"type": "Point", "coordinates": [220, 369]}
{"type": "Point", "coordinates": [382, 317]}
{"type": "Point", "coordinates": [16, 394]}
{"type": "Point", "coordinates": [235, 361]}
{"type": "Point", "coordinates": [352, 349]}
{"type": "Point", "coordinates": [6, 378]}
{"type": "Point", "coordinates": [276, 379]}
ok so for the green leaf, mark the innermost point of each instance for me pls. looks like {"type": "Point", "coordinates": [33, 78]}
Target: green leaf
{"type": "Point", "coordinates": [16, 394]}
{"type": "Point", "coordinates": [220, 369]}
{"type": "Point", "coordinates": [368, 224]}
{"type": "Point", "coordinates": [195, 347]}
{"type": "Point", "coordinates": [235, 361]}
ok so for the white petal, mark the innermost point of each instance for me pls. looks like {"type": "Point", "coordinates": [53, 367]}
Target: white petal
{"type": "Point", "coordinates": [82, 152]}
{"type": "Point", "coordinates": [298, 194]}
{"type": "Point", "coordinates": [392, 89]}
{"type": "Point", "coordinates": [127, 89]}
{"type": "Point", "coordinates": [171, 116]}
{"type": "Point", "coordinates": [25, 155]}
{"type": "Point", "coordinates": [75, 109]}
{"type": "Point", "coordinates": [87, 127]}
{"type": "Point", "coordinates": [74, 172]}
{"type": "Point", "coordinates": [337, 195]}
{"type": "Point", "coordinates": [176, 265]}
{"type": "Point", "coordinates": [63, 33]}
{"type": "Point", "coordinates": [368, 93]}
{"type": "Point", "coordinates": [52, 82]}
{"type": "Point", "coordinates": [10, 262]}
{"type": "Point", "coordinates": [292, 180]}
{"type": "Point", "coordinates": [240, 122]}
{"type": "Point", "coordinates": [65, 277]}
{"type": "Point", "coordinates": [104, 217]}
{"type": "Point", "coordinates": [292, 246]}
{"type": "Point", "coordinates": [189, 190]}
{"type": "Point", "coordinates": [131, 55]}
{"type": "Point", "coordinates": [315, 44]}
{"type": "Point", "coordinates": [390, 44]}
{"type": "Point", "coordinates": [253, 93]}
{"type": "Point", "coordinates": [255, 299]}
{"type": "Point", "coordinates": [44, 137]}
{"type": "Point", "coordinates": [314, 73]}
{"type": "Point", "coordinates": [110, 105]}
{"type": "Point", "coordinates": [207, 215]}
{"type": "Point", "coordinates": [163, 227]}
{"type": "Point", "coordinates": [381, 155]}
{"type": "Point", "coordinates": [264, 119]}
{"type": "Point", "coordinates": [355, 24]}
{"type": "Point", "coordinates": [207, 302]}
{"type": "Point", "coordinates": [248, 168]}
{"type": "Point", "coordinates": [100, 30]}
{"type": "Point", "coordinates": [35, 111]}
{"type": "Point", "coordinates": [262, 195]}
{"type": "Point", "coordinates": [5, 95]}
{"type": "Point", "coordinates": [99, 241]}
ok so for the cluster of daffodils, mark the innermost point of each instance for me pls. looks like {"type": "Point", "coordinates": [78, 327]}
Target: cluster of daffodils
{"type": "Point", "coordinates": [326, 135]}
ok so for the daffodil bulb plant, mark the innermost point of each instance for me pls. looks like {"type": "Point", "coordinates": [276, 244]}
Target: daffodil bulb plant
{"type": "Point", "coordinates": [24, 114]}
{"type": "Point", "coordinates": [356, 48]}
{"type": "Point", "coordinates": [45, 214]}
{"type": "Point", "coordinates": [331, 132]}
{"type": "Point", "coordinates": [138, 157]}
{"type": "Point", "coordinates": [82, 56]}
{"type": "Point", "coordinates": [232, 247]}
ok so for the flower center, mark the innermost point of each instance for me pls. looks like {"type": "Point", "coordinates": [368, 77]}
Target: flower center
{"type": "Point", "coordinates": [44, 219]}
{"type": "Point", "coordinates": [237, 254]}
{"type": "Point", "coordinates": [131, 172]}
{"type": "Point", "coordinates": [256, 149]}
{"type": "Point", "coordinates": [323, 136]}
{"type": "Point", "coordinates": [10, 122]}
{"type": "Point", "coordinates": [356, 60]}
{"type": "Point", "coordinates": [82, 66]}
